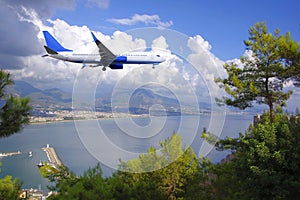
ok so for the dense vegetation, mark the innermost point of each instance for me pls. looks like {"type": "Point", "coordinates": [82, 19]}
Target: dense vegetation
{"type": "Point", "coordinates": [14, 111]}
{"type": "Point", "coordinates": [266, 161]}
{"type": "Point", "coordinates": [14, 114]}
{"type": "Point", "coordinates": [183, 178]}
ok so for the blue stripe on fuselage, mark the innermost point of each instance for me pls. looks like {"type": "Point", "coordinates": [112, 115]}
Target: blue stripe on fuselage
{"type": "Point", "coordinates": [140, 62]}
{"type": "Point", "coordinates": [123, 60]}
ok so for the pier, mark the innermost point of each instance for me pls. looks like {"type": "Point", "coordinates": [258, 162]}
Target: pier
{"type": "Point", "coordinates": [52, 156]}
{"type": "Point", "coordinates": [10, 154]}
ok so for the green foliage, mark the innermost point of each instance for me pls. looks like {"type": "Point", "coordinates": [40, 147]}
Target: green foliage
{"type": "Point", "coordinates": [47, 170]}
{"type": "Point", "coordinates": [184, 178]}
{"type": "Point", "coordinates": [209, 137]}
{"type": "Point", "coordinates": [15, 113]}
{"type": "Point", "coordinates": [9, 189]}
{"type": "Point", "coordinates": [266, 161]}
{"type": "Point", "coordinates": [5, 81]}
{"type": "Point", "coordinates": [175, 168]}
{"type": "Point", "coordinates": [89, 186]}
{"type": "Point", "coordinates": [266, 67]}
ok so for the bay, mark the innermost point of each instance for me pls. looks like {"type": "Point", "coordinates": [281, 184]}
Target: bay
{"type": "Point", "coordinates": [78, 150]}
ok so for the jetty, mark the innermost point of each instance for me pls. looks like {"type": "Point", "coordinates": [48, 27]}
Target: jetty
{"type": "Point", "coordinates": [10, 154]}
{"type": "Point", "coordinates": [52, 156]}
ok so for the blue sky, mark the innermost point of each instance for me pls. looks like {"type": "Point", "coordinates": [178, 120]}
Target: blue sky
{"type": "Point", "coordinates": [224, 24]}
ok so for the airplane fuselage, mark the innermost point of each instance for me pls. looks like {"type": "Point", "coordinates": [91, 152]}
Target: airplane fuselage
{"type": "Point", "coordinates": [131, 58]}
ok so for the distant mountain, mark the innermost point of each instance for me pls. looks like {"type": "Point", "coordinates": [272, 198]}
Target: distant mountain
{"type": "Point", "coordinates": [58, 95]}
{"type": "Point", "coordinates": [144, 98]}
{"type": "Point", "coordinates": [42, 98]}
{"type": "Point", "coordinates": [23, 88]}
{"type": "Point", "coordinates": [142, 101]}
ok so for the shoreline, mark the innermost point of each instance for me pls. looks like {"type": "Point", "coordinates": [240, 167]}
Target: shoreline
{"type": "Point", "coordinates": [46, 120]}
{"type": "Point", "coordinates": [83, 119]}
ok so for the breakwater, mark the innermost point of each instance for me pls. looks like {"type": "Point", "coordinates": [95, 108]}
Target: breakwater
{"type": "Point", "coordinates": [10, 154]}
{"type": "Point", "coordinates": [52, 156]}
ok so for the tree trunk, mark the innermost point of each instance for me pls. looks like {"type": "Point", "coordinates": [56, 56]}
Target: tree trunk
{"type": "Point", "coordinates": [269, 101]}
{"type": "Point", "coordinates": [272, 113]}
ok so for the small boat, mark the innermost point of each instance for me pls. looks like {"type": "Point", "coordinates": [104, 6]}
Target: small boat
{"type": "Point", "coordinates": [30, 153]}
{"type": "Point", "coordinates": [40, 164]}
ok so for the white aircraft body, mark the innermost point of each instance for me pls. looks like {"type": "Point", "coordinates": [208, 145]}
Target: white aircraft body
{"type": "Point", "coordinates": [104, 57]}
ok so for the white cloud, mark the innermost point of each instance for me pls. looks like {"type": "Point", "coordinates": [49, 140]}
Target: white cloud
{"type": "Point", "coordinates": [207, 64]}
{"type": "Point", "coordinates": [159, 44]}
{"type": "Point", "coordinates": [21, 22]}
{"type": "Point", "coordinates": [145, 19]}
{"type": "Point", "coordinates": [16, 35]}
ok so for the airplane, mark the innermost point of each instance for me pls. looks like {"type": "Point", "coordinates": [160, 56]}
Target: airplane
{"type": "Point", "coordinates": [104, 57]}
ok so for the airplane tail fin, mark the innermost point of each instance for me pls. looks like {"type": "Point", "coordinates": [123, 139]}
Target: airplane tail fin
{"type": "Point", "coordinates": [53, 45]}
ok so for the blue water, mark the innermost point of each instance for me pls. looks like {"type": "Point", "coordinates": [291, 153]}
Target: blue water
{"type": "Point", "coordinates": [70, 142]}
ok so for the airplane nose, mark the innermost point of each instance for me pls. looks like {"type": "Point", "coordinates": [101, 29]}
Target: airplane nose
{"type": "Point", "coordinates": [162, 58]}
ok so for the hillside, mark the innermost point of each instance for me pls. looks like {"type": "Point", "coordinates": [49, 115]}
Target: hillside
{"type": "Point", "coordinates": [42, 98]}
{"type": "Point", "coordinates": [140, 102]}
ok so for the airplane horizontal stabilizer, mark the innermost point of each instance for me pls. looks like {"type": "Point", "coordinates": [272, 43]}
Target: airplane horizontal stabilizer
{"type": "Point", "coordinates": [50, 51]}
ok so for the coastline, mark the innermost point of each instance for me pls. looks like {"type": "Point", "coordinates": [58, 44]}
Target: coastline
{"type": "Point", "coordinates": [82, 115]}
{"type": "Point", "coordinates": [81, 119]}
{"type": "Point", "coordinates": [107, 116]}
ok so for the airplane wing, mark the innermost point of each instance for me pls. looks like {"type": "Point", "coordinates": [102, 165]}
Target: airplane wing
{"type": "Point", "coordinates": [107, 57]}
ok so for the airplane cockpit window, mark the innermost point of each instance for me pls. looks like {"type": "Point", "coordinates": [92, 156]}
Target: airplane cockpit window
{"type": "Point", "coordinates": [158, 55]}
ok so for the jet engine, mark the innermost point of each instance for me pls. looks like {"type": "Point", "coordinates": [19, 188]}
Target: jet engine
{"type": "Point", "coordinates": [116, 66]}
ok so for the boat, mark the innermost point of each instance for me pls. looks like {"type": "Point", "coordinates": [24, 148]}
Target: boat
{"type": "Point", "coordinates": [40, 164]}
{"type": "Point", "coordinates": [30, 153]}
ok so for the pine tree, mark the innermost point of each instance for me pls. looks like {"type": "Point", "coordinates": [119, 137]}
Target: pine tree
{"type": "Point", "coordinates": [14, 113]}
{"type": "Point", "coordinates": [267, 66]}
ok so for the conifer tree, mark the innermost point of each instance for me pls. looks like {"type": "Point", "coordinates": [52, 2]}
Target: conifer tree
{"type": "Point", "coordinates": [14, 111]}
{"type": "Point", "coordinates": [270, 62]}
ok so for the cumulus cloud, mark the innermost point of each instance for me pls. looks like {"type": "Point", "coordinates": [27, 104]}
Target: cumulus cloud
{"type": "Point", "coordinates": [145, 19]}
{"type": "Point", "coordinates": [159, 43]}
{"type": "Point", "coordinates": [16, 36]}
{"type": "Point", "coordinates": [20, 27]}
{"type": "Point", "coordinates": [205, 62]}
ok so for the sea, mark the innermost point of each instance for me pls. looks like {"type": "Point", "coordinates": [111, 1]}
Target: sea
{"type": "Point", "coordinates": [83, 144]}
